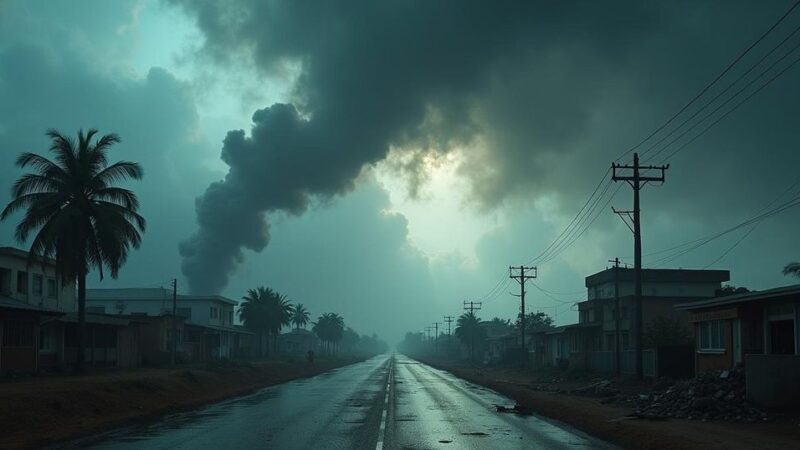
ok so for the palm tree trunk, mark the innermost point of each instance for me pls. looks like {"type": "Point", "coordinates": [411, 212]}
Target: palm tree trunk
{"type": "Point", "coordinates": [80, 364]}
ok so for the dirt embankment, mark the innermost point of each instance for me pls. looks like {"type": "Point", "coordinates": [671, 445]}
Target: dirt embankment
{"type": "Point", "coordinates": [49, 409]}
{"type": "Point", "coordinates": [608, 422]}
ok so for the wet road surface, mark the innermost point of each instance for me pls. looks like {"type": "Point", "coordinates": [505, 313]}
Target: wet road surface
{"type": "Point", "coordinates": [386, 402]}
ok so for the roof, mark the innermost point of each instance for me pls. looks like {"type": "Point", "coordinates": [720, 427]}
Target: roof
{"type": "Point", "coordinates": [18, 253]}
{"type": "Point", "coordinates": [775, 293]}
{"type": "Point", "coordinates": [233, 329]}
{"type": "Point", "coordinates": [660, 275]}
{"type": "Point", "coordinates": [12, 303]}
{"type": "Point", "coordinates": [297, 332]}
{"type": "Point", "coordinates": [97, 319]}
{"type": "Point", "coordinates": [149, 294]}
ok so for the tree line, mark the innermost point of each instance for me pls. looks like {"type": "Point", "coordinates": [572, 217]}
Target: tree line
{"type": "Point", "coordinates": [266, 312]}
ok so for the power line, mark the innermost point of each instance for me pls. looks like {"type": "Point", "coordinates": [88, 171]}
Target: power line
{"type": "Point", "coordinates": [720, 94]}
{"type": "Point", "coordinates": [714, 81]}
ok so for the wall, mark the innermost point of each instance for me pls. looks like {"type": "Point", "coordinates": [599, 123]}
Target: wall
{"type": "Point", "coordinates": [772, 380]}
{"type": "Point", "coordinates": [65, 299]}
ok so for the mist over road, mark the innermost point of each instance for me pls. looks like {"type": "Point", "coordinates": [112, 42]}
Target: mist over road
{"type": "Point", "coordinates": [385, 402]}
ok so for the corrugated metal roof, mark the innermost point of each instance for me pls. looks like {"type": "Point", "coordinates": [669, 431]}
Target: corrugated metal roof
{"type": "Point", "coordinates": [97, 319]}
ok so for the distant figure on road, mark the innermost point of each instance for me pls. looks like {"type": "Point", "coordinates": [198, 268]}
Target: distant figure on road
{"type": "Point", "coordinates": [311, 357]}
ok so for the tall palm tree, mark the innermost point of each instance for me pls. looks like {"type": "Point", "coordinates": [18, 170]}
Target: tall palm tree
{"type": "Point", "coordinates": [79, 218]}
{"type": "Point", "coordinates": [280, 313]}
{"type": "Point", "coordinates": [469, 331]}
{"type": "Point", "coordinates": [792, 269]}
{"type": "Point", "coordinates": [300, 316]}
{"type": "Point", "coordinates": [254, 314]}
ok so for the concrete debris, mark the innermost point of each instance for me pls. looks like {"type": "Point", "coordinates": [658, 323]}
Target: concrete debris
{"type": "Point", "coordinates": [710, 396]}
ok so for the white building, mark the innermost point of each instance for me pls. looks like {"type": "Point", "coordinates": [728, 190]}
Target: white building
{"type": "Point", "coordinates": [209, 320]}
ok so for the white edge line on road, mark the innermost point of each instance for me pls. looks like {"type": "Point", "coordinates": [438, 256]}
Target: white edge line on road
{"type": "Point", "coordinates": [384, 415]}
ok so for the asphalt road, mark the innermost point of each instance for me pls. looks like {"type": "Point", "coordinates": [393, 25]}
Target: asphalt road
{"type": "Point", "coordinates": [386, 402]}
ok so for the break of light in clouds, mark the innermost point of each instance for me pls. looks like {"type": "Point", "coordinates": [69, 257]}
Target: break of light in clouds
{"type": "Point", "coordinates": [497, 122]}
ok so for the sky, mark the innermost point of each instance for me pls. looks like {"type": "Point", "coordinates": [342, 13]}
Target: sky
{"type": "Point", "coordinates": [389, 160]}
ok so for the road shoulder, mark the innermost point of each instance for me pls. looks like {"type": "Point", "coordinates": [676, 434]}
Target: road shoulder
{"type": "Point", "coordinates": [49, 409]}
{"type": "Point", "coordinates": [607, 422]}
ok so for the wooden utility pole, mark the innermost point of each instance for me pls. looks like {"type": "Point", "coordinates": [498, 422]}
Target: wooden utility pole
{"type": "Point", "coordinates": [174, 319]}
{"type": "Point", "coordinates": [636, 181]}
{"type": "Point", "coordinates": [472, 306]}
{"type": "Point", "coordinates": [448, 320]}
{"type": "Point", "coordinates": [617, 361]}
{"type": "Point", "coordinates": [521, 278]}
{"type": "Point", "coordinates": [436, 335]}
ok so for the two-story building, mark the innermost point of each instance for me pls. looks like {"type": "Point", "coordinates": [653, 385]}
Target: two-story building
{"type": "Point", "coordinates": [32, 299]}
{"type": "Point", "coordinates": [208, 330]}
{"type": "Point", "coordinates": [604, 338]}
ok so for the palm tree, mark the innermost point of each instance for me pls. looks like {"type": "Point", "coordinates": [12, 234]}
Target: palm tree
{"type": "Point", "coordinates": [330, 329]}
{"type": "Point", "coordinates": [469, 331]}
{"type": "Point", "coordinates": [254, 314]}
{"type": "Point", "coordinates": [280, 313]}
{"type": "Point", "coordinates": [792, 269]}
{"type": "Point", "coordinates": [83, 221]}
{"type": "Point", "coordinates": [300, 316]}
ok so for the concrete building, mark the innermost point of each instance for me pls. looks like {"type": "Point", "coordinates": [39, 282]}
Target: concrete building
{"type": "Point", "coordinates": [209, 331]}
{"type": "Point", "coordinates": [32, 298]}
{"type": "Point", "coordinates": [592, 342]}
{"type": "Point", "coordinates": [760, 330]}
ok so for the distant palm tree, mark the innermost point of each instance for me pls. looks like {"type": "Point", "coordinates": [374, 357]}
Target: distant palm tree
{"type": "Point", "coordinates": [792, 269]}
{"type": "Point", "coordinates": [83, 221]}
{"type": "Point", "coordinates": [300, 316]}
{"type": "Point", "coordinates": [254, 314]}
{"type": "Point", "coordinates": [330, 329]}
{"type": "Point", "coordinates": [469, 331]}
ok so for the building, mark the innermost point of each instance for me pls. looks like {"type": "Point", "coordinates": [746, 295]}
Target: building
{"type": "Point", "coordinates": [32, 299]}
{"type": "Point", "coordinates": [208, 331]}
{"type": "Point", "coordinates": [592, 342]}
{"type": "Point", "coordinates": [662, 289]}
{"type": "Point", "coordinates": [759, 330]}
{"type": "Point", "coordinates": [298, 341]}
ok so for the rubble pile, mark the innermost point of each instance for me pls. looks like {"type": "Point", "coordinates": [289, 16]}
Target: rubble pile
{"type": "Point", "coordinates": [710, 396]}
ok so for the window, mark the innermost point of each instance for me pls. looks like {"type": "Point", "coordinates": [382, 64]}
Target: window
{"type": "Point", "coordinates": [18, 333]}
{"type": "Point", "coordinates": [712, 335]}
{"type": "Point", "coordinates": [22, 282]}
{"type": "Point", "coordinates": [230, 317]}
{"type": "Point", "coordinates": [626, 341]}
{"type": "Point", "coordinates": [36, 287]}
{"type": "Point", "coordinates": [623, 312]}
{"type": "Point", "coordinates": [51, 288]}
{"type": "Point", "coordinates": [96, 309]}
{"type": "Point", "coordinates": [213, 313]}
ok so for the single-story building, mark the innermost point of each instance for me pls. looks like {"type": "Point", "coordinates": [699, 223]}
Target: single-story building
{"type": "Point", "coordinates": [21, 335]}
{"type": "Point", "coordinates": [759, 330]}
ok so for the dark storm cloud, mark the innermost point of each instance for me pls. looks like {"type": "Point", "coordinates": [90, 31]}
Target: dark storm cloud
{"type": "Point", "coordinates": [381, 74]}
{"type": "Point", "coordinates": [43, 87]}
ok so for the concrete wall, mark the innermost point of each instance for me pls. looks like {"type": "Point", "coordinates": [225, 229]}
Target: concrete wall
{"type": "Point", "coordinates": [772, 380]}
{"type": "Point", "coordinates": [64, 298]}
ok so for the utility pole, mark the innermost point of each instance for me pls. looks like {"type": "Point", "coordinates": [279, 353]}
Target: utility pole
{"type": "Point", "coordinates": [436, 342]}
{"type": "Point", "coordinates": [617, 361]}
{"type": "Point", "coordinates": [521, 278]}
{"type": "Point", "coordinates": [174, 319]}
{"type": "Point", "coordinates": [636, 181]}
{"type": "Point", "coordinates": [448, 320]}
{"type": "Point", "coordinates": [471, 306]}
